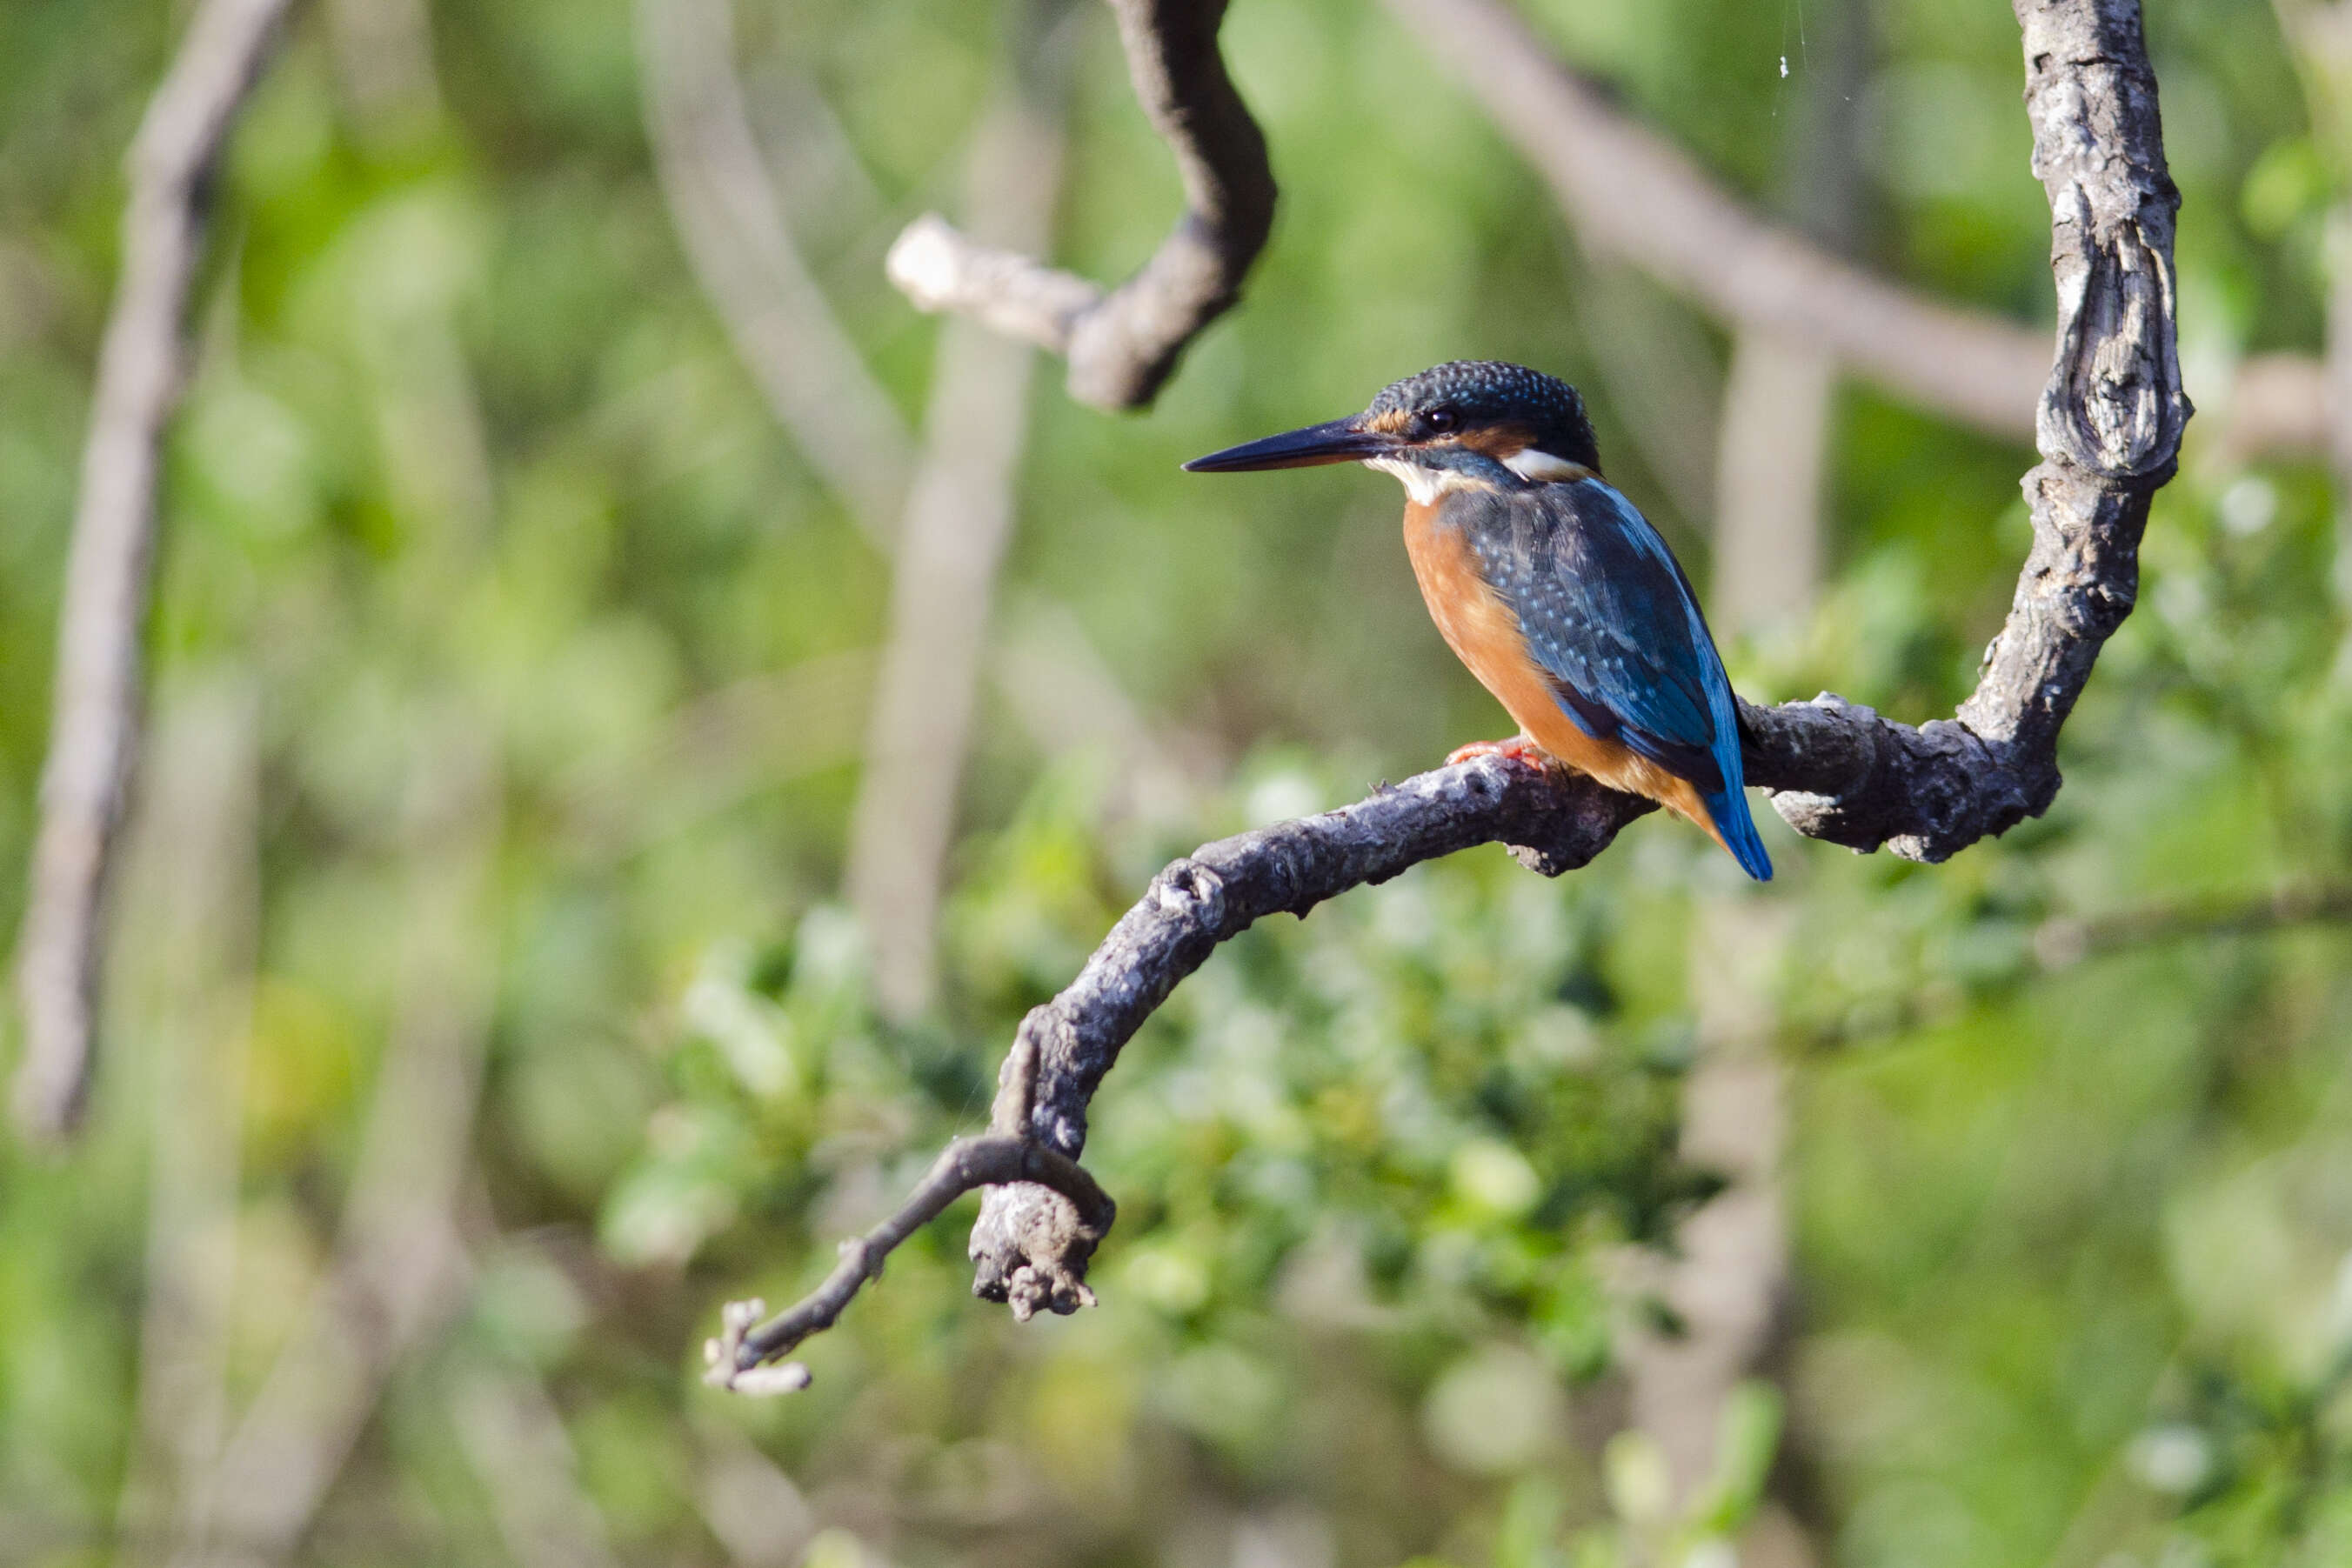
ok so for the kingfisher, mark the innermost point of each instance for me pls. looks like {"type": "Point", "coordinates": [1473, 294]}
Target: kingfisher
{"type": "Point", "coordinates": [1549, 584]}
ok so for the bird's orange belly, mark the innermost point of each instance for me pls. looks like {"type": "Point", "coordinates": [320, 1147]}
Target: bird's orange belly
{"type": "Point", "coordinates": [1485, 636]}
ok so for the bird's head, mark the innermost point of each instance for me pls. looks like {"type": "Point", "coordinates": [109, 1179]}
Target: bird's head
{"type": "Point", "coordinates": [1469, 423]}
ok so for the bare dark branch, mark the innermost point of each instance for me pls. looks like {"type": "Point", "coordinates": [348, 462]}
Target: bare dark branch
{"type": "Point", "coordinates": [2110, 429]}
{"type": "Point", "coordinates": [95, 718]}
{"type": "Point", "coordinates": [1122, 346]}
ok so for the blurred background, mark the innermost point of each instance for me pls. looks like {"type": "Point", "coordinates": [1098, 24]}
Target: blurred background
{"type": "Point", "coordinates": [541, 924]}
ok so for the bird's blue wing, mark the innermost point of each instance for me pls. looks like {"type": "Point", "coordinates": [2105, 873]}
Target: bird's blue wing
{"type": "Point", "coordinates": [1608, 616]}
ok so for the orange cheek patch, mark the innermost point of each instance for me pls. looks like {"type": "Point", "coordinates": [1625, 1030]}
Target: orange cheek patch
{"type": "Point", "coordinates": [1499, 441]}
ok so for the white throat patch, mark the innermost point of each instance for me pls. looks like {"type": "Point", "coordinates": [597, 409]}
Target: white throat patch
{"type": "Point", "coordinates": [1542, 467]}
{"type": "Point", "coordinates": [1423, 485]}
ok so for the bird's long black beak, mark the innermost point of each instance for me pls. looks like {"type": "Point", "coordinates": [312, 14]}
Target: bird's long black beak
{"type": "Point", "coordinates": [1340, 441]}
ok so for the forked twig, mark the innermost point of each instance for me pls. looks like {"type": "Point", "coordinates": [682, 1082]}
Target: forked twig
{"type": "Point", "coordinates": [737, 1358]}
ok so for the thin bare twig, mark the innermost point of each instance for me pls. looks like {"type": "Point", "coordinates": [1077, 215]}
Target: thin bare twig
{"type": "Point", "coordinates": [1122, 346]}
{"type": "Point", "coordinates": [737, 1358]}
{"type": "Point", "coordinates": [95, 715]}
{"type": "Point", "coordinates": [2109, 428]}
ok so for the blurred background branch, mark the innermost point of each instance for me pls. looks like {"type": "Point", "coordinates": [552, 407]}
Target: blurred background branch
{"type": "Point", "coordinates": [1631, 194]}
{"type": "Point", "coordinates": [514, 1438]}
{"type": "Point", "coordinates": [959, 514]}
{"type": "Point", "coordinates": [195, 847]}
{"type": "Point", "coordinates": [1727, 1285]}
{"type": "Point", "coordinates": [734, 227]}
{"type": "Point", "coordinates": [95, 712]}
{"type": "Point", "coordinates": [2066, 940]}
{"type": "Point", "coordinates": [400, 1268]}
{"type": "Point", "coordinates": [952, 501]}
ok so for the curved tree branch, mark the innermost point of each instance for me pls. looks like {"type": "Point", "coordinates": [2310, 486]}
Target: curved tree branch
{"type": "Point", "coordinates": [2109, 428]}
{"type": "Point", "coordinates": [94, 722]}
{"type": "Point", "coordinates": [1123, 345]}
{"type": "Point", "coordinates": [1039, 1226]}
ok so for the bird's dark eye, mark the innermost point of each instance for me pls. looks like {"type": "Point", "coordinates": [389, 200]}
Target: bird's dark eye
{"type": "Point", "coordinates": [1438, 421]}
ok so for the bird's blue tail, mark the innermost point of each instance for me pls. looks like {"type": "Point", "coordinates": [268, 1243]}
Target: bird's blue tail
{"type": "Point", "coordinates": [1729, 810]}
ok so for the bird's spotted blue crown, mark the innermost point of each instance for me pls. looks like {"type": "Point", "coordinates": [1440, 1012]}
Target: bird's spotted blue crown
{"type": "Point", "coordinates": [1489, 393]}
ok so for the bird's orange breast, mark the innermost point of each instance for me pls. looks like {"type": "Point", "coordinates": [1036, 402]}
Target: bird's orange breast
{"type": "Point", "coordinates": [1485, 635]}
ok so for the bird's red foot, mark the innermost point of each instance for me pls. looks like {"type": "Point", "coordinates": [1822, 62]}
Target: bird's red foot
{"type": "Point", "coordinates": [1519, 748]}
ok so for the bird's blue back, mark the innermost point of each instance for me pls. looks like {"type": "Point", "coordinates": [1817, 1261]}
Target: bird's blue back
{"type": "Point", "coordinates": [1611, 620]}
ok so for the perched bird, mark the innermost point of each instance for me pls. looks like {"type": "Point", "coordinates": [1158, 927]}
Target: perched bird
{"type": "Point", "coordinates": [1553, 588]}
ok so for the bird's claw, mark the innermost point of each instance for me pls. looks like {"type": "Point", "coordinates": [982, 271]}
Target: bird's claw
{"type": "Point", "coordinates": [1518, 749]}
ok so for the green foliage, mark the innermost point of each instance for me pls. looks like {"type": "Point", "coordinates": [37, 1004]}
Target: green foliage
{"type": "Point", "coordinates": [471, 502]}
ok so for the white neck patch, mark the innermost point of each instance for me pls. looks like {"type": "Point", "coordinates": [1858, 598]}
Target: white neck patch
{"type": "Point", "coordinates": [1542, 467]}
{"type": "Point", "coordinates": [1423, 485]}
